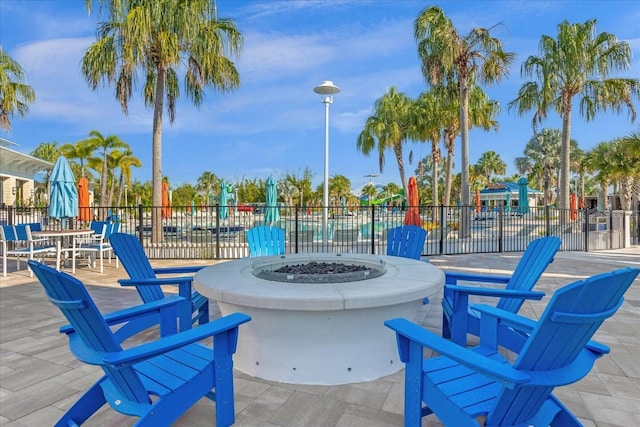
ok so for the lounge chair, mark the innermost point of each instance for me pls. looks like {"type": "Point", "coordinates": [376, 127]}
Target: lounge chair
{"type": "Point", "coordinates": [144, 277]}
{"type": "Point", "coordinates": [265, 240]}
{"type": "Point", "coordinates": [478, 386]}
{"type": "Point", "coordinates": [156, 381]}
{"type": "Point", "coordinates": [406, 241]}
{"type": "Point", "coordinates": [458, 319]}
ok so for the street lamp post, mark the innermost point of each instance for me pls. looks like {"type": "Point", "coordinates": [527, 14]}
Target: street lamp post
{"type": "Point", "coordinates": [326, 90]}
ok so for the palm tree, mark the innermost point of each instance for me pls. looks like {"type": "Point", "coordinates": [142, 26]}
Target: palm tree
{"type": "Point", "coordinates": [524, 165]}
{"type": "Point", "coordinates": [425, 126]}
{"type": "Point", "coordinates": [124, 161]}
{"type": "Point", "coordinates": [370, 191]}
{"type": "Point", "coordinates": [160, 39]}
{"type": "Point", "coordinates": [47, 151]}
{"type": "Point", "coordinates": [208, 184]}
{"type": "Point", "coordinates": [490, 163]}
{"type": "Point", "coordinates": [446, 55]}
{"type": "Point", "coordinates": [106, 144]}
{"type": "Point", "coordinates": [578, 63]}
{"type": "Point", "coordinates": [81, 150]}
{"type": "Point", "coordinates": [15, 94]}
{"type": "Point", "coordinates": [598, 162]}
{"type": "Point", "coordinates": [387, 128]}
{"type": "Point", "coordinates": [544, 149]}
{"type": "Point", "coordinates": [339, 187]}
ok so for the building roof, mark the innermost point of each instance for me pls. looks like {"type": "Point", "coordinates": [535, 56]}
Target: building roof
{"type": "Point", "coordinates": [14, 163]}
{"type": "Point", "coordinates": [499, 191]}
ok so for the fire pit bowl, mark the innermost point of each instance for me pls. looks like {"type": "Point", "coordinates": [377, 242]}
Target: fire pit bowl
{"type": "Point", "coordinates": [326, 331]}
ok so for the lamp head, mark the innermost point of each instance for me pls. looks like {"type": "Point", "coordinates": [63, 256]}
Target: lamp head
{"type": "Point", "coordinates": [326, 88]}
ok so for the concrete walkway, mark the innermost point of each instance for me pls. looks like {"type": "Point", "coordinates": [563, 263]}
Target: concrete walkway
{"type": "Point", "coordinates": [39, 378]}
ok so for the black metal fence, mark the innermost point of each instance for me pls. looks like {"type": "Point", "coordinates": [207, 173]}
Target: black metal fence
{"type": "Point", "coordinates": [209, 232]}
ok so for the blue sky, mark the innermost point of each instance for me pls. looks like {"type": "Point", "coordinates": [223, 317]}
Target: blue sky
{"type": "Point", "coordinates": [274, 124]}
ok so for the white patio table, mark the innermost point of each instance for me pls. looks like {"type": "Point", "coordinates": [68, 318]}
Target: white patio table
{"type": "Point", "coordinates": [60, 235]}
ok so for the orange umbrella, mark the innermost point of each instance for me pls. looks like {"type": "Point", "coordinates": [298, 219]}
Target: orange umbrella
{"type": "Point", "coordinates": [84, 210]}
{"type": "Point", "coordinates": [478, 204]}
{"type": "Point", "coordinates": [412, 217]}
{"type": "Point", "coordinates": [166, 205]}
{"type": "Point", "coordinates": [574, 207]}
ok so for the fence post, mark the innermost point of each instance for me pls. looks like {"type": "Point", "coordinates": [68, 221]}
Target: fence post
{"type": "Point", "coordinates": [140, 224]}
{"type": "Point", "coordinates": [442, 230]}
{"type": "Point", "coordinates": [295, 230]}
{"type": "Point", "coordinates": [218, 231]}
{"type": "Point", "coordinates": [373, 229]}
{"type": "Point", "coordinates": [547, 221]}
{"type": "Point", "coordinates": [500, 230]}
{"type": "Point", "coordinates": [586, 230]}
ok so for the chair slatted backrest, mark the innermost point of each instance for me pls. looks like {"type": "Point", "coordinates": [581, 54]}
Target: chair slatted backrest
{"type": "Point", "coordinates": [131, 254]}
{"type": "Point", "coordinates": [572, 316]}
{"type": "Point", "coordinates": [265, 240]}
{"type": "Point", "coordinates": [98, 227]}
{"type": "Point", "coordinates": [21, 232]}
{"type": "Point", "coordinates": [34, 226]}
{"type": "Point", "coordinates": [406, 241]}
{"type": "Point", "coordinates": [72, 298]}
{"type": "Point", "coordinates": [8, 233]}
{"type": "Point", "coordinates": [536, 258]}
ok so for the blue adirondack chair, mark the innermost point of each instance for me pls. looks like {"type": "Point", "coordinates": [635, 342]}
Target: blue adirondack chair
{"type": "Point", "coordinates": [156, 381]}
{"type": "Point", "coordinates": [144, 277]}
{"type": "Point", "coordinates": [458, 319]}
{"type": "Point", "coordinates": [265, 240]}
{"type": "Point", "coordinates": [406, 241]}
{"type": "Point", "coordinates": [466, 383]}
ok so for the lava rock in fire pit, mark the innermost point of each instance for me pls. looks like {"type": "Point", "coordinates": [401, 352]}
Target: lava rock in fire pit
{"type": "Point", "coordinates": [321, 272]}
{"type": "Point", "coordinates": [315, 267]}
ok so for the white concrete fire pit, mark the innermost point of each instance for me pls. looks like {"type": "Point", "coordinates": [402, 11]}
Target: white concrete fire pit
{"type": "Point", "coordinates": [326, 331]}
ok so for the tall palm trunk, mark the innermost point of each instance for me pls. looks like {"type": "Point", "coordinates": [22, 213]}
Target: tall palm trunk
{"type": "Point", "coordinates": [565, 157]}
{"type": "Point", "coordinates": [156, 177]}
{"type": "Point", "coordinates": [449, 140]}
{"type": "Point", "coordinates": [465, 225]}
{"type": "Point", "coordinates": [397, 149]}
{"type": "Point", "coordinates": [103, 179]}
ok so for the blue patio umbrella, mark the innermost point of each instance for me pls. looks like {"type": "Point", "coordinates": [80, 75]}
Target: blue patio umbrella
{"type": "Point", "coordinates": [523, 196]}
{"type": "Point", "coordinates": [63, 194]}
{"type": "Point", "coordinates": [507, 203]}
{"type": "Point", "coordinates": [343, 202]}
{"type": "Point", "coordinates": [223, 213]}
{"type": "Point", "coordinates": [193, 208]}
{"type": "Point", "coordinates": [271, 213]}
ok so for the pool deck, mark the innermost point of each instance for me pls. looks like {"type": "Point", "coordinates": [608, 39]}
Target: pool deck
{"type": "Point", "coordinates": [39, 378]}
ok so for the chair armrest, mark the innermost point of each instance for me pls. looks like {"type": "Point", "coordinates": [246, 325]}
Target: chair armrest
{"type": "Point", "coordinates": [163, 345]}
{"type": "Point", "coordinates": [178, 270]}
{"type": "Point", "coordinates": [409, 332]}
{"type": "Point", "coordinates": [524, 324]}
{"type": "Point", "coordinates": [452, 278]}
{"type": "Point", "coordinates": [132, 313]}
{"type": "Point", "coordinates": [156, 281]}
{"type": "Point", "coordinates": [493, 292]}
{"type": "Point", "coordinates": [505, 318]}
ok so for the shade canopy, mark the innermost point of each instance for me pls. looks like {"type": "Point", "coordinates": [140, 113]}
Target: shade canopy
{"type": "Point", "coordinates": [523, 196]}
{"type": "Point", "coordinates": [63, 195]}
{"type": "Point", "coordinates": [223, 213]}
{"type": "Point", "coordinates": [84, 210]}
{"type": "Point", "coordinates": [166, 203]}
{"type": "Point", "coordinates": [271, 213]}
{"type": "Point", "coordinates": [412, 217]}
